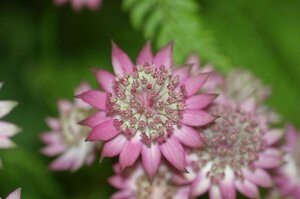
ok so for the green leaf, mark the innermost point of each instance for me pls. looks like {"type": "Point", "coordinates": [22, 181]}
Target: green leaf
{"type": "Point", "coordinates": [165, 20]}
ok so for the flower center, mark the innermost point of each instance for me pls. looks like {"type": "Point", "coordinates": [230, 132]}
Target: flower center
{"type": "Point", "coordinates": [72, 132]}
{"type": "Point", "coordinates": [160, 187]}
{"type": "Point", "coordinates": [234, 140]}
{"type": "Point", "coordinates": [148, 102]}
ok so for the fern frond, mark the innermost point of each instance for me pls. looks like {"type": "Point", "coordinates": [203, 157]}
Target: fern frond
{"type": "Point", "coordinates": [178, 20]}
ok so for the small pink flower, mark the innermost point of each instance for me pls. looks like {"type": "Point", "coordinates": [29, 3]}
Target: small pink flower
{"type": "Point", "coordinates": [215, 81]}
{"type": "Point", "coordinates": [15, 195]}
{"type": "Point", "coordinates": [288, 179]}
{"type": "Point", "coordinates": [7, 130]}
{"type": "Point", "coordinates": [134, 183]}
{"type": "Point", "coordinates": [148, 109]}
{"type": "Point", "coordinates": [239, 151]}
{"type": "Point", "coordinates": [79, 4]}
{"type": "Point", "coordinates": [67, 137]}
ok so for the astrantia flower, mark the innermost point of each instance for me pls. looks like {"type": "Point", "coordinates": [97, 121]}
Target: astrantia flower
{"type": "Point", "coordinates": [237, 154]}
{"type": "Point", "coordinates": [79, 4]}
{"type": "Point", "coordinates": [148, 108]}
{"type": "Point", "coordinates": [7, 130]}
{"type": "Point", "coordinates": [15, 195]}
{"type": "Point", "coordinates": [134, 183]}
{"type": "Point", "coordinates": [288, 179]}
{"type": "Point", "coordinates": [67, 137]}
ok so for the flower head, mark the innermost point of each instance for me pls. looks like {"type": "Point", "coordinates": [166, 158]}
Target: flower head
{"type": "Point", "coordinates": [15, 195]}
{"type": "Point", "coordinates": [150, 108]}
{"type": "Point", "coordinates": [236, 155]}
{"type": "Point", "coordinates": [288, 178]}
{"type": "Point", "coordinates": [67, 137]}
{"type": "Point", "coordinates": [238, 151]}
{"type": "Point", "coordinates": [79, 4]}
{"type": "Point", "coordinates": [7, 130]}
{"type": "Point", "coordinates": [134, 183]}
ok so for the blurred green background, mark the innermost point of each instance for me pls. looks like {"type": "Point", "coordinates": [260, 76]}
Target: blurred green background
{"type": "Point", "coordinates": [46, 51]}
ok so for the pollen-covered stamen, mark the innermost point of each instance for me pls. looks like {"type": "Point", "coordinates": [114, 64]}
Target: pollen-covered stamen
{"type": "Point", "coordinates": [147, 102]}
{"type": "Point", "coordinates": [234, 140]}
{"type": "Point", "coordinates": [72, 132]}
{"type": "Point", "coordinates": [160, 187]}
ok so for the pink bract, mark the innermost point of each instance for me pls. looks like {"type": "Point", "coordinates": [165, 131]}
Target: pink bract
{"type": "Point", "coordinates": [239, 151]}
{"type": "Point", "coordinates": [134, 183]}
{"type": "Point", "coordinates": [67, 137]}
{"type": "Point", "coordinates": [288, 178]}
{"type": "Point", "coordinates": [15, 195]}
{"type": "Point", "coordinates": [147, 108]}
{"type": "Point", "coordinates": [7, 130]}
{"type": "Point", "coordinates": [79, 4]}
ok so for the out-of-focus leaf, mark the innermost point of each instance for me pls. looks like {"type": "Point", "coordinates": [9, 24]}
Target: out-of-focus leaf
{"type": "Point", "coordinates": [165, 20]}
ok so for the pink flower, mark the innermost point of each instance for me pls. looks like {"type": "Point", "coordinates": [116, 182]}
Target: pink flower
{"type": "Point", "coordinates": [238, 153]}
{"type": "Point", "coordinates": [134, 183]}
{"type": "Point", "coordinates": [215, 81]}
{"type": "Point", "coordinates": [67, 137]}
{"type": "Point", "coordinates": [288, 179]}
{"type": "Point", "coordinates": [148, 108]}
{"type": "Point", "coordinates": [79, 4]}
{"type": "Point", "coordinates": [7, 130]}
{"type": "Point", "coordinates": [15, 195]}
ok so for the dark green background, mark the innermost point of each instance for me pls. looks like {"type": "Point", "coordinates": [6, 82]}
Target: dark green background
{"type": "Point", "coordinates": [45, 51]}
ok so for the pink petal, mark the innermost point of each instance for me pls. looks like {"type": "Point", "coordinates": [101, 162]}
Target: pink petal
{"type": "Point", "coordinates": [113, 147]}
{"type": "Point", "coordinates": [200, 101]}
{"type": "Point", "coordinates": [105, 79]}
{"type": "Point", "coordinates": [6, 107]}
{"type": "Point", "coordinates": [164, 57]}
{"type": "Point", "coordinates": [15, 195]}
{"type": "Point", "coordinates": [120, 61]}
{"type": "Point", "coordinates": [151, 159]}
{"type": "Point", "coordinates": [104, 131]}
{"type": "Point", "coordinates": [64, 162]}
{"type": "Point", "coordinates": [93, 4]}
{"type": "Point", "coordinates": [174, 153]}
{"type": "Point", "coordinates": [51, 137]}
{"type": "Point", "coordinates": [182, 72]}
{"type": "Point", "coordinates": [247, 188]}
{"type": "Point", "coordinates": [8, 129]}
{"type": "Point", "coordinates": [64, 106]}
{"type": "Point", "coordinates": [268, 161]}
{"type": "Point", "coordinates": [182, 193]}
{"type": "Point", "coordinates": [53, 150]}
{"type": "Point", "coordinates": [95, 119]}
{"type": "Point", "coordinates": [117, 181]}
{"type": "Point", "coordinates": [126, 194]}
{"type": "Point", "coordinates": [194, 59]}
{"type": "Point", "coordinates": [201, 184]}
{"type": "Point", "coordinates": [196, 117]}
{"type": "Point", "coordinates": [227, 186]}
{"type": "Point", "coordinates": [179, 179]}
{"type": "Point", "coordinates": [215, 192]}
{"type": "Point", "coordinates": [291, 137]}
{"type": "Point", "coordinates": [145, 55]}
{"type": "Point", "coordinates": [53, 123]}
{"type": "Point", "coordinates": [6, 143]}
{"type": "Point", "coordinates": [273, 136]}
{"type": "Point", "coordinates": [188, 136]}
{"type": "Point", "coordinates": [130, 153]}
{"type": "Point", "coordinates": [94, 98]}
{"type": "Point", "coordinates": [194, 84]}
{"type": "Point", "coordinates": [259, 177]}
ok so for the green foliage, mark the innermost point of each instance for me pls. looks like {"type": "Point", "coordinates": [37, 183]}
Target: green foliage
{"type": "Point", "coordinates": [178, 20]}
{"type": "Point", "coordinates": [263, 39]}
